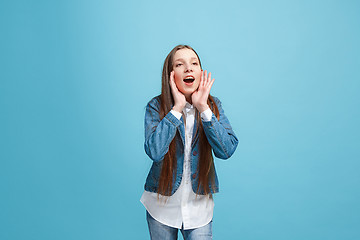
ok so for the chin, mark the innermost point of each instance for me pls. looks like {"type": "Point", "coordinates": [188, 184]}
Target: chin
{"type": "Point", "coordinates": [189, 91]}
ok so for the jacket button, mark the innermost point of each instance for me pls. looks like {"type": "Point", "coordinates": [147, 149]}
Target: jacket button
{"type": "Point", "coordinates": [195, 153]}
{"type": "Point", "coordinates": [194, 176]}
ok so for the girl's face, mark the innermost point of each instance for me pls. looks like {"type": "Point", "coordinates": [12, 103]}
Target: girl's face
{"type": "Point", "coordinates": [187, 71]}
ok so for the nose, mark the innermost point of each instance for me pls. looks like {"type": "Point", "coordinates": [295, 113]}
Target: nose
{"type": "Point", "coordinates": [188, 68]}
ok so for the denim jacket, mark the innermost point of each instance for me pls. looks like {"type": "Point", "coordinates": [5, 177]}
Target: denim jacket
{"type": "Point", "coordinates": [160, 133]}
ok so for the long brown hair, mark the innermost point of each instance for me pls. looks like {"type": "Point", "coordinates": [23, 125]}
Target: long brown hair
{"type": "Point", "coordinates": [206, 169]}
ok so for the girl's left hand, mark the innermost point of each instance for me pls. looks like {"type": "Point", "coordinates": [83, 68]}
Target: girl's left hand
{"type": "Point", "coordinates": [200, 96]}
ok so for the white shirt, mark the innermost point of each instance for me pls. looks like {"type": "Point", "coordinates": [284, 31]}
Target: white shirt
{"type": "Point", "coordinates": [184, 208]}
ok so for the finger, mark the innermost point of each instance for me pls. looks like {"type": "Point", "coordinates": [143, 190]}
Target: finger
{"type": "Point", "coordinates": [205, 78]}
{"type": "Point", "coordinates": [201, 79]}
{"type": "Point", "coordinates": [172, 82]}
{"type": "Point", "coordinates": [209, 79]}
{"type": "Point", "coordinates": [211, 83]}
{"type": "Point", "coordinates": [171, 79]}
{"type": "Point", "coordinates": [172, 74]}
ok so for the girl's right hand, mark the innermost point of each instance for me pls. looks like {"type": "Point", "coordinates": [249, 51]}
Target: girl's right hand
{"type": "Point", "coordinates": [179, 98]}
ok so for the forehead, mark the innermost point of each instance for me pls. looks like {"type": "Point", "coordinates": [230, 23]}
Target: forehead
{"type": "Point", "coordinates": [185, 54]}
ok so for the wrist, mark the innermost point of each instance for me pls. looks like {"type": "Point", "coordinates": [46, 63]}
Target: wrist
{"type": "Point", "coordinates": [178, 108]}
{"type": "Point", "coordinates": [201, 108]}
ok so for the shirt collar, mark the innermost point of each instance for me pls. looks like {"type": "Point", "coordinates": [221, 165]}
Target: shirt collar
{"type": "Point", "coordinates": [188, 107]}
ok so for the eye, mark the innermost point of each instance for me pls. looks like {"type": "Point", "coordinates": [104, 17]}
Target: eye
{"type": "Point", "coordinates": [195, 63]}
{"type": "Point", "coordinates": [177, 65]}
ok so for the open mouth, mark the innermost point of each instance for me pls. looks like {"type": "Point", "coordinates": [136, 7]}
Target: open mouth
{"type": "Point", "coordinates": [189, 79]}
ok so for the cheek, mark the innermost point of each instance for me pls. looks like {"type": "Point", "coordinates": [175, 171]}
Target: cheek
{"type": "Point", "coordinates": [197, 83]}
{"type": "Point", "coordinates": [177, 77]}
{"type": "Point", "coordinates": [198, 73]}
{"type": "Point", "coordinates": [198, 76]}
{"type": "Point", "coordinates": [178, 81]}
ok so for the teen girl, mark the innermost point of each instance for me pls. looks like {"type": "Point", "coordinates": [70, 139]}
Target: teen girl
{"type": "Point", "coordinates": [183, 126]}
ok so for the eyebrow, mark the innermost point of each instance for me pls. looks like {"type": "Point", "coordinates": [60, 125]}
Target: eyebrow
{"type": "Point", "coordinates": [180, 59]}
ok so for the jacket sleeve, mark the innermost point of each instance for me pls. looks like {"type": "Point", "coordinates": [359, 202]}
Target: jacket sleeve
{"type": "Point", "coordinates": [158, 133]}
{"type": "Point", "coordinates": [220, 135]}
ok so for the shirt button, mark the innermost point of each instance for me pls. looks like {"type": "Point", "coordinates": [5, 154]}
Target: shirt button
{"type": "Point", "coordinates": [195, 153]}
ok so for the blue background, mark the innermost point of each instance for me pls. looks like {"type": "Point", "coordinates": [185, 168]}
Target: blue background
{"type": "Point", "coordinates": [75, 80]}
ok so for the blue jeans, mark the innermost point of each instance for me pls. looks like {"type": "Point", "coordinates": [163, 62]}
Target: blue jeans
{"type": "Point", "coordinates": [159, 231]}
